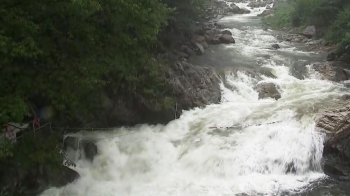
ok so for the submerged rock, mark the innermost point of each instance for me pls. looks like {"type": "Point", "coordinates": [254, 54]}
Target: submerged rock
{"type": "Point", "coordinates": [275, 46]}
{"type": "Point", "coordinates": [267, 90]}
{"type": "Point", "coordinates": [299, 70]}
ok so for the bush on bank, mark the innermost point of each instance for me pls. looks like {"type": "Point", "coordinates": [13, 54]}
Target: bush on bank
{"type": "Point", "coordinates": [331, 17]}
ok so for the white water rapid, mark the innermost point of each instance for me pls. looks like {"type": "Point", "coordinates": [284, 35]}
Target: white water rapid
{"type": "Point", "coordinates": [188, 158]}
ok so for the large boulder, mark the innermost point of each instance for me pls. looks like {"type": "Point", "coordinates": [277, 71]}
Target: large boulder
{"type": "Point", "coordinates": [212, 39]}
{"type": "Point", "coordinates": [234, 9]}
{"type": "Point", "coordinates": [335, 123]}
{"type": "Point", "coordinates": [330, 71]}
{"type": "Point", "coordinates": [226, 39]}
{"type": "Point", "coordinates": [196, 86]}
{"type": "Point", "coordinates": [309, 31]}
{"type": "Point", "coordinates": [275, 46]}
{"type": "Point", "coordinates": [32, 180]}
{"type": "Point", "coordinates": [267, 90]}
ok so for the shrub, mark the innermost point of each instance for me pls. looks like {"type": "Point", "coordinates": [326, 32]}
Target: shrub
{"type": "Point", "coordinates": [339, 30]}
{"type": "Point", "coordinates": [282, 16]}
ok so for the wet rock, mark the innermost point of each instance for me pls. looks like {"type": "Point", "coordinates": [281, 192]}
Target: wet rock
{"type": "Point", "coordinates": [309, 32]}
{"type": "Point", "coordinates": [275, 46]}
{"type": "Point", "coordinates": [267, 90]}
{"type": "Point", "coordinates": [199, 44]}
{"type": "Point", "coordinates": [32, 180]}
{"type": "Point", "coordinates": [336, 168]}
{"type": "Point", "coordinates": [267, 12]}
{"type": "Point", "coordinates": [299, 70]}
{"type": "Point", "coordinates": [226, 32]}
{"type": "Point", "coordinates": [196, 86]}
{"type": "Point", "coordinates": [198, 38]}
{"type": "Point", "coordinates": [331, 56]}
{"type": "Point", "coordinates": [90, 150]}
{"type": "Point", "coordinates": [330, 71]}
{"type": "Point", "coordinates": [199, 49]}
{"type": "Point", "coordinates": [187, 50]}
{"type": "Point", "coordinates": [213, 40]}
{"type": "Point", "coordinates": [234, 9]}
{"type": "Point", "coordinates": [86, 149]}
{"type": "Point", "coordinates": [245, 11]}
{"type": "Point", "coordinates": [257, 4]}
{"type": "Point", "coordinates": [291, 37]}
{"type": "Point", "coordinates": [335, 123]}
{"type": "Point", "coordinates": [226, 39]}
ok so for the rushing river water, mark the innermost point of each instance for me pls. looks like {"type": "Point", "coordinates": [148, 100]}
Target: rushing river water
{"type": "Point", "coordinates": [188, 158]}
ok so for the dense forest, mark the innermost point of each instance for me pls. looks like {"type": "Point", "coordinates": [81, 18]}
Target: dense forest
{"type": "Point", "coordinates": [60, 54]}
{"type": "Point", "coordinates": [330, 17]}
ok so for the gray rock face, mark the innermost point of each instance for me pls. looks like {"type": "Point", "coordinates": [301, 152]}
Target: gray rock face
{"type": "Point", "coordinates": [336, 124]}
{"type": "Point", "coordinates": [330, 71]}
{"type": "Point", "coordinates": [192, 86]}
{"type": "Point", "coordinates": [196, 86]}
{"type": "Point", "coordinates": [267, 90]}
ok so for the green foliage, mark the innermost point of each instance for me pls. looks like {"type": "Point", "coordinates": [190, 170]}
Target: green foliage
{"type": "Point", "coordinates": [327, 16]}
{"type": "Point", "coordinates": [6, 149]}
{"type": "Point", "coordinates": [59, 51]}
{"type": "Point", "coordinates": [304, 9]}
{"type": "Point", "coordinates": [282, 16]}
{"type": "Point", "coordinates": [339, 31]}
{"type": "Point", "coordinates": [185, 13]}
{"type": "Point", "coordinates": [31, 150]}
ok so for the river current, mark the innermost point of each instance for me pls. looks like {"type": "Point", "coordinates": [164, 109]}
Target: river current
{"type": "Point", "coordinates": [189, 158]}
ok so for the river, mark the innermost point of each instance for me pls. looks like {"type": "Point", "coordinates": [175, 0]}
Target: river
{"type": "Point", "coordinates": [188, 158]}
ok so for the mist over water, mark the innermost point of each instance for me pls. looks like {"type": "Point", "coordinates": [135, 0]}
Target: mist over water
{"type": "Point", "coordinates": [279, 152]}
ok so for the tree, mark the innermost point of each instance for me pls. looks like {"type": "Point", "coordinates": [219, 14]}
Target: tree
{"type": "Point", "coordinates": [59, 51]}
